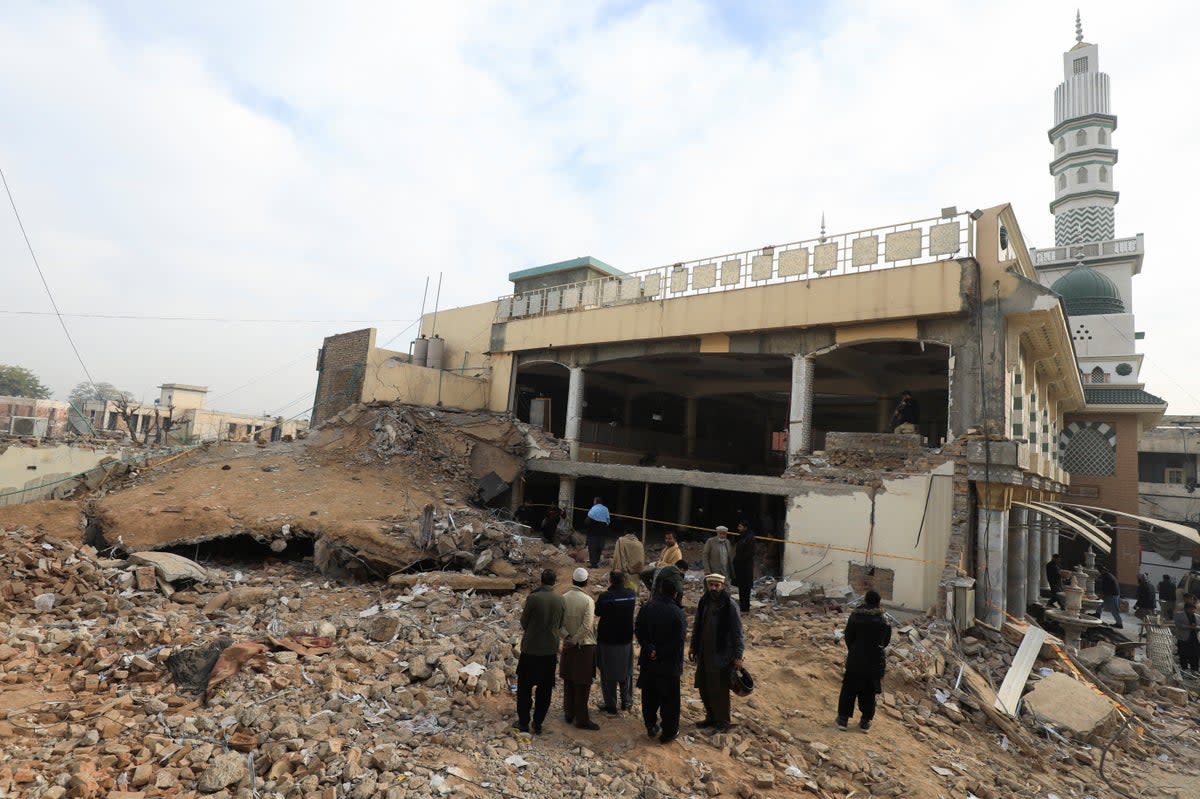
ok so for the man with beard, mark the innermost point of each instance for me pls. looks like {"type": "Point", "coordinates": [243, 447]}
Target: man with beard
{"type": "Point", "coordinates": [661, 629]}
{"type": "Point", "coordinates": [867, 634]}
{"type": "Point", "coordinates": [716, 648]}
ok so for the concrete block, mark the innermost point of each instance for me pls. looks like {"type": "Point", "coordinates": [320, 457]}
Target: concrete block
{"type": "Point", "coordinates": [1096, 656]}
{"type": "Point", "coordinates": [1077, 709]}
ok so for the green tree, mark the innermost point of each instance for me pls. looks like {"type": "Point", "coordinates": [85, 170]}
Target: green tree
{"type": "Point", "coordinates": [86, 392]}
{"type": "Point", "coordinates": [17, 381]}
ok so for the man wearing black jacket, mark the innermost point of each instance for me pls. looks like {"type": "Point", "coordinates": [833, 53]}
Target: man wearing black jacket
{"type": "Point", "coordinates": [614, 642]}
{"type": "Point", "coordinates": [717, 647]}
{"type": "Point", "coordinates": [867, 634]}
{"type": "Point", "coordinates": [743, 565]}
{"type": "Point", "coordinates": [661, 629]}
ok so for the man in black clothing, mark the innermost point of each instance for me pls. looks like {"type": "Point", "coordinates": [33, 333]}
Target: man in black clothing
{"type": "Point", "coordinates": [716, 646]}
{"type": "Point", "coordinates": [743, 565]}
{"type": "Point", "coordinates": [661, 629]}
{"type": "Point", "coordinates": [1110, 596]}
{"type": "Point", "coordinates": [541, 620]}
{"type": "Point", "coordinates": [1166, 596]}
{"type": "Point", "coordinates": [867, 634]}
{"type": "Point", "coordinates": [652, 577]}
{"type": "Point", "coordinates": [1054, 578]}
{"type": "Point", "coordinates": [614, 642]}
{"type": "Point", "coordinates": [1146, 603]}
{"type": "Point", "coordinates": [908, 412]}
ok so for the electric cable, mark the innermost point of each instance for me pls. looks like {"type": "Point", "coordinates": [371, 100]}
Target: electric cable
{"type": "Point", "coordinates": [46, 285]}
{"type": "Point", "coordinates": [140, 317]}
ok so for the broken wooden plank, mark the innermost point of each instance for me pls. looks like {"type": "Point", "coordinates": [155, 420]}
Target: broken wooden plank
{"type": "Point", "coordinates": [455, 582]}
{"type": "Point", "coordinates": [1009, 696]}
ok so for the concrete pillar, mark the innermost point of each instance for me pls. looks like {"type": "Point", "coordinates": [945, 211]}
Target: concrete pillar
{"type": "Point", "coordinates": [684, 514]}
{"type": "Point", "coordinates": [800, 416]}
{"type": "Point", "coordinates": [883, 414]}
{"type": "Point", "coordinates": [691, 407]}
{"type": "Point", "coordinates": [574, 410]}
{"type": "Point", "coordinates": [991, 554]}
{"type": "Point", "coordinates": [1049, 534]}
{"type": "Point", "coordinates": [566, 499]}
{"type": "Point", "coordinates": [1018, 554]}
{"type": "Point", "coordinates": [1035, 567]}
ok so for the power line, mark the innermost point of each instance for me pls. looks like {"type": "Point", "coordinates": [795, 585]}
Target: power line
{"type": "Point", "coordinates": [204, 318]}
{"type": "Point", "coordinates": [42, 275]}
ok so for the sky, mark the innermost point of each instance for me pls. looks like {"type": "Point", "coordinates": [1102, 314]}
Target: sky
{"type": "Point", "coordinates": [284, 171]}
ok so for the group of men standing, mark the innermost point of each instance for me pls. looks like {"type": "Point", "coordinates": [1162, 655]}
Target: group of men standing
{"type": "Point", "coordinates": [598, 635]}
{"type": "Point", "coordinates": [735, 561]}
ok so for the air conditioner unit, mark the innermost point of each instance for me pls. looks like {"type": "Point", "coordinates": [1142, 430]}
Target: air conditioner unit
{"type": "Point", "coordinates": [27, 426]}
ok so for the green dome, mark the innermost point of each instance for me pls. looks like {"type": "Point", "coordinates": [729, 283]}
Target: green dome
{"type": "Point", "coordinates": [1087, 292]}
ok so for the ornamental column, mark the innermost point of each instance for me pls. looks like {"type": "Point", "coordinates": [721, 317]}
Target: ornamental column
{"type": "Point", "coordinates": [800, 415]}
{"type": "Point", "coordinates": [991, 553]}
{"type": "Point", "coordinates": [1018, 554]}
{"type": "Point", "coordinates": [574, 410]}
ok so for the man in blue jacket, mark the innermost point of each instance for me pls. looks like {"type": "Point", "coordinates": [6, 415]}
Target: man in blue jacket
{"type": "Point", "coordinates": [716, 648]}
{"type": "Point", "coordinates": [661, 629]}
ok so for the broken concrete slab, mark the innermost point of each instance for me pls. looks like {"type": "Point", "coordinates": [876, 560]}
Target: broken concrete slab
{"type": "Point", "coordinates": [171, 567]}
{"type": "Point", "coordinates": [1096, 656]}
{"type": "Point", "coordinates": [1070, 705]}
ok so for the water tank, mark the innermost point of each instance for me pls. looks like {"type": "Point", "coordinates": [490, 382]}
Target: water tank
{"type": "Point", "coordinates": [437, 352]}
{"type": "Point", "coordinates": [420, 351]}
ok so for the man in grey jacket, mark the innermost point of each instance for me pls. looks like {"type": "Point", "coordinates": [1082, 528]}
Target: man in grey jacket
{"type": "Point", "coordinates": [541, 619]}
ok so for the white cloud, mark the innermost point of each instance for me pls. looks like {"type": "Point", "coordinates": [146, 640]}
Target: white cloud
{"type": "Point", "coordinates": [286, 161]}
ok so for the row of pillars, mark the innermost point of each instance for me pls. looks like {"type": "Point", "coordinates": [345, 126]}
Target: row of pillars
{"type": "Point", "coordinates": [1014, 544]}
{"type": "Point", "coordinates": [799, 426]}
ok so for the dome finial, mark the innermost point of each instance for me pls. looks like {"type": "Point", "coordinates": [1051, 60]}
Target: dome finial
{"type": "Point", "coordinates": [822, 239]}
{"type": "Point", "coordinates": [1078, 27]}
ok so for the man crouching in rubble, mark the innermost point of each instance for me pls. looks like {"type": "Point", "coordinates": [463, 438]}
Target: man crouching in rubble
{"type": "Point", "coordinates": [867, 635]}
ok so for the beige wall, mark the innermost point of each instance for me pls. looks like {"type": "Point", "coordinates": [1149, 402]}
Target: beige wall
{"type": "Point", "coordinates": [932, 289]}
{"type": "Point", "coordinates": [467, 331]}
{"type": "Point", "coordinates": [19, 483]}
{"type": "Point", "coordinates": [396, 380]}
{"type": "Point", "coordinates": [839, 516]}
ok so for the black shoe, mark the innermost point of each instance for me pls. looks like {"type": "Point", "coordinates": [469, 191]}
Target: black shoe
{"type": "Point", "coordinates": [537, 729]}
{"type": "Point", "coordinates": [627, 708]}
{"type": "Point", "coordinates": [652, 731]}
{"type": "Point", "coordinates": [569, 719]}
{"type": "Point", "coordinates": [706, 723]}
{"type": "Point", "coordinates": [612, 711]}
{"type": "Point", "coordinates": [667, 737]}
{"type": "Point", "coordinates": [522, 726]}
{"type": "Point", "coordinates": [721, 728]}
{"type": "Point", "coordinates": [864, 725]}
{"type": "Point", "coordinates": [591, 725]}
{"type": "Point", "coordinates": [842, 721]}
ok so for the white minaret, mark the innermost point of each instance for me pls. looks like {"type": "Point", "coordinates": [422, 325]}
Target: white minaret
{"type": "Point", "coordinates": [1084, 155]}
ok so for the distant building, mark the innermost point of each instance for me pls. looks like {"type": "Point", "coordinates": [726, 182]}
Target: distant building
{"type": "Point", "coordinates": [1167, 476]}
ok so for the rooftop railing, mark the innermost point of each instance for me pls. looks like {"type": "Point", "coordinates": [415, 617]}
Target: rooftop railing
{"type": "Point", "coordinates": [1093, 249]}
{"type": "Point", "coordinates": [875, 249]}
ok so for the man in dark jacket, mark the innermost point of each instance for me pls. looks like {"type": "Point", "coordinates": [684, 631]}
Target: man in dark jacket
{"type": "Point", "coordinates": [716, 646]}
{"type": "Point", "coordinates": [1054, 578]}
{"type": "Point", "coordinates": [1166, 596]}
{"type": "Point", "coordinates": [867, 634]}
{"type": "Point", "coordinates": [653, 576]}
{"type": "Point", "coordinates": [541, 619]}
{"type": "Point", "coordinates": [661, 629]}
{"type": "Point", "coordinates": [743, 565]}
{"type": "Point", "coordinates": [614, 642]}
{"type": "Point", "coordinates": [1110, 596]}
{"type": "Point", "coordinates": [1147, 602]}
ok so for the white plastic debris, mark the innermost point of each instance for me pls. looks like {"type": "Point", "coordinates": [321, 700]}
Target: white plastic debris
{"type": "Point", "coordinates": [473, 669]}
{"type": "Point", "coordinates": [516, 761]}
{"type": "Point", "coordinates": [44, 602]}
{"type": "Point", "coordinates": [369, 612]}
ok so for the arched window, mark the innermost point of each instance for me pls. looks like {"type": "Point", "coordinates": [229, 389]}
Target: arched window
{"type": "Point", "coordinates": [1102, 136]}
{"type": "Point", "coordinates": [1098, 375]}
{"type": "Point", "coordinates": [1081, 138]}
{"type": "Point", "coordinates": [1061, 145]}
{"type": "Point", "coordinates": [1103, 174]}
{"type": "Point", "coordinates": [1081, 175]}
{"type": "Point", "coordinates": [1062, 180]}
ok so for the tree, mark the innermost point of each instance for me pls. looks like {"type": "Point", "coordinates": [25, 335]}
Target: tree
{"type": "Point", "coordinates": [88, 392]}
{"type": "Point", "coordinates": [17, 381]}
